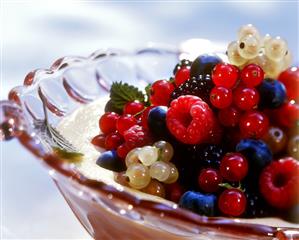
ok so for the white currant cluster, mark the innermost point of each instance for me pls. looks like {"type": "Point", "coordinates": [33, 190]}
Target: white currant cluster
{"type": "Point", "coordinates": [272, 54]}
{"type": "Point", "coordinates": [151, 162]}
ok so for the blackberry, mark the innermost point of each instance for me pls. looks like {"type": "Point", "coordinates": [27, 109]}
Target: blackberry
{"type": "Point", "coordinates": [206, 155]}
{"type": "Point", "coordinates": [183, 63]}
{"type": "Point", "coordinates": [200, 87]}
{"type": "Point", "coordinates": [256, 205]}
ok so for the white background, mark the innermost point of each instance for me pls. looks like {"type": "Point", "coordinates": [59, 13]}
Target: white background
{"type": "Point", "coordinates": [35, 33]}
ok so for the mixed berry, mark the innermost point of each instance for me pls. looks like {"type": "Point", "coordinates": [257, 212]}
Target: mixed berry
{"type": "Point", "coordinates": [218, 138]}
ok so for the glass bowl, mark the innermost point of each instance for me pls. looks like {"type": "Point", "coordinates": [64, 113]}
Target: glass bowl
{"type": "Point", "coordinates": [109, 212]}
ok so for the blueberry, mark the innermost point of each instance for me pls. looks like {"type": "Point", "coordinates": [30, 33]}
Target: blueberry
{"type": "Point", "coordinates": [111, 161]}
{"type": "Point", "coordinates": [157, 121]}
{"type": "Point", "coordinates": [204, 64]}
{"type": "Point", "coordinates": [272, 93]}
{"type": "Point", "coordinates": [203, 204]}
{"type": "Point", "coordinates": [257, 153]}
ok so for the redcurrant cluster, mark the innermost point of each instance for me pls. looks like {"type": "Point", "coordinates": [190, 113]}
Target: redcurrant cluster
{"type": "Point", "coordinates": [237, 98]}
{"type": "Point", "coordinates": [123, 132]}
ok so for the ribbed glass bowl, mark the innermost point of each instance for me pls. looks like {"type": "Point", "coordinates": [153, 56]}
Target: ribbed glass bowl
{"type": "Point", "coordinates": [109, 212]}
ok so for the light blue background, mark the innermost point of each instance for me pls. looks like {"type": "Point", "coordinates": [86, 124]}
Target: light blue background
{"type": "Point", "coordinates": [35, 33]}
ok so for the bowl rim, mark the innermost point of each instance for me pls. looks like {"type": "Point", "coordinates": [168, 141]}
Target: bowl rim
{"type": "Point", "coordinates": [65, 169]}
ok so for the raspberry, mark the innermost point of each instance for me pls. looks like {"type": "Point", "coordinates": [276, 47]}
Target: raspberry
{"type": "Point", "coordinates": [189, 119]}
{"type": "Point", "coordinates": [200, 87]}
{"type": "Point", "coordinates": [136, 136]}
{"type": "Point", "coordinates": [279, 183]}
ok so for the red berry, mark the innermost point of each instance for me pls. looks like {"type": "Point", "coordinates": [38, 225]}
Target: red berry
{"type": "Point", "coordinates": [246, 98]}
{"type": "Point", "coordinates": [125, 122]}
{"type": "Point", "coordinates": [233, 167]}
{"type": "Point", "coordinates": [108, 121]}
{"type": "Point", "coordinates": [229, 117]}
{"type": "Point", "coordinates": [99, 141]}
{"type": "Point", "coordinates": [290, 79]}
{"type": "Point", "coordinates": [232, 202]}
{"type": "Point", "coordinates": [122, 151]}
{"type": "Point", "coordinates": [221, 97]}
{"type": "Point", "coordinates": [279, 183]}
{"type": "Point", "coordinates": [144, 117]}
{"type": "Point", "coordinates": [209, 180]}
{"type": "Point", "coordinates": [252, 75]}
{"type": "Point", "coordinates": [225, 75]}
{"type": "Point", "coordinates": [113, 140]}
{"type": "Point", "coordinates": [160, 92]}
{"type": "Point", "coordinates": [287, 115]}
{"type": "Point", "coordinates": [136, 136]}
{"type": "Point", "coordinates": [174, 191]}
{"type": "Point", "coordinates": [189, 119]}
{"type": "Point", "coordinates": [133, 107]}
{"type": "Point", "coordinates": [181, 76]}
{"type": "Point", "coordinates": [215, 135]}
{"type": "Point", "coordinates": [254, 124]}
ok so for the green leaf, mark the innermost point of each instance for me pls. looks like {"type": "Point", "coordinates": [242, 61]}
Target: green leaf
{"type": "Point", "coordinates": [121, 93]}
{"type": "Point", "coordinates": [228, 186]}
{"type": "Point", "coordinates": [73, 157]}
{"type": "Point", "coordinates": [148, 94]}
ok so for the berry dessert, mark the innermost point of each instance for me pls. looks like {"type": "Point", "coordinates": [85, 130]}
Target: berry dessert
{"type": "Point", "coordinates": [218, 138]}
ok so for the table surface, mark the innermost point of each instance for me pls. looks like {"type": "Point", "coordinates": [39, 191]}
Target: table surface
{"type": "Point", "coordinates": [36, 33]}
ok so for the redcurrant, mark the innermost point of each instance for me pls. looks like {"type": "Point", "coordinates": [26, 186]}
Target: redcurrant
{"type": "Point", "coordinates": [133, 107]}
{"type": "Point", "coordinates": [254, 124]}
{"type": "Point", "coordinates": [122, 151]}
{"type": "Point", "coordinates": [252, 75]}
{"type": "Point", "coordinates": [209, 180]}
{"type": "Point", "coordinates": [229, 117]}
{"type": "Point", "coordinates": [221, 97]}
{"type": "Point", "coordinates": [125, 122]}
{"type": "Point", "coordinates": [290, 79]}
{"type": "Point", "coordinates": [113, 140]}
{"type": "Point", "coordinates": [108, 121]}
{"type": "Point", "coordinates": [233, 167]}
{"type": "Point", "coordinates": [99, 141]}
{"type": "Point", "coordinates": [160, 92]}
{"type": "Point", "coordinates": [232, 202]}
{"type": "Point", "coordinates": [225, 75]}
{"type": "Point", "coordinates": [182, 75]}
{"type": "Point", "coordinates": [246, 98]}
